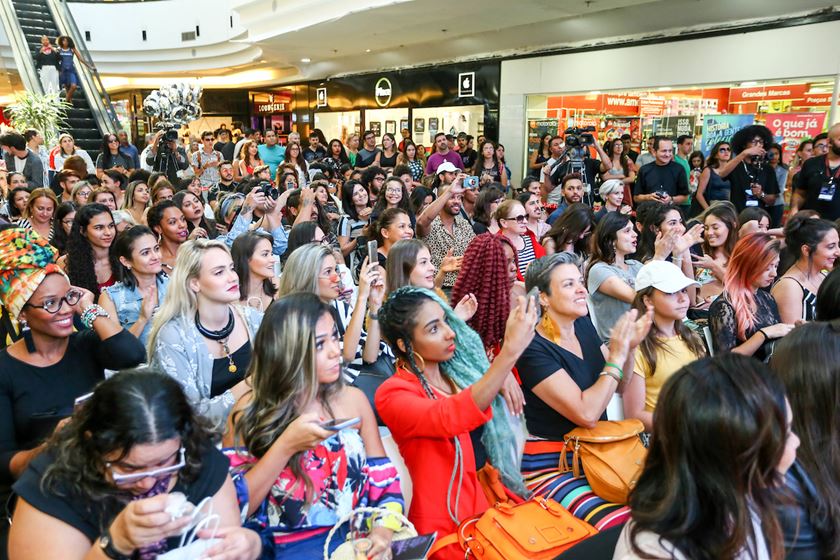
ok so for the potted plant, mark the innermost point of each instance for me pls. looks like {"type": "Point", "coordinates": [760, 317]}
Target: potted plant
{"type": "Point", "coordinates": [44, 112]}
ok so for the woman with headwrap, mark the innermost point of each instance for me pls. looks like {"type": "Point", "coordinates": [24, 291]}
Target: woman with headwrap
{"type": "Point", "coordinates": [444, 409]}
{"type": "Point", "coordinates": [49, 366]}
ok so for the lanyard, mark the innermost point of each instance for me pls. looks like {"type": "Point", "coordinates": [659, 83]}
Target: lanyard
{"type": "Point", "coordinates": [828, 172]}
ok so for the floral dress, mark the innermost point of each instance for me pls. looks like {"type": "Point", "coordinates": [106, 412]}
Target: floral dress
{"type": "Point", "coordinates": [342, 477]}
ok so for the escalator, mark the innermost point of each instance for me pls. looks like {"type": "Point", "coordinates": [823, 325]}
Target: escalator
{"type": "Point", "coordinates": [92, 113]}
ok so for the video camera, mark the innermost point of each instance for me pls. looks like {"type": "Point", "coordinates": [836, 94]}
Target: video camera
{"type": "Point", "coordinates": [579, 136]}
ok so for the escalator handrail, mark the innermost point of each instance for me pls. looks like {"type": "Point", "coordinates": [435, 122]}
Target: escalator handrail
{"type": "Point", "coordinates": [20, 49]}
{"type": "Point", "coordinates": [66, 23]}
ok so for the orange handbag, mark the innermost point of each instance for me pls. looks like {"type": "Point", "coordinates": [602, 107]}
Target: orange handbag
{"type": "Point", "coordinates": [537, 529]}
{"type": "Point", "coordinates": [612, 455]}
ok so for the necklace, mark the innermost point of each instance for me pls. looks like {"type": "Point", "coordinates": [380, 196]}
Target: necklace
{"type": "Point", "coordinates": [221, 336]}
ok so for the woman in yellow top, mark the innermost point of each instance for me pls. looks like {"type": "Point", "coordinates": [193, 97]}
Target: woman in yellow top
{"type": "Point", "coordinates": [669, 345]}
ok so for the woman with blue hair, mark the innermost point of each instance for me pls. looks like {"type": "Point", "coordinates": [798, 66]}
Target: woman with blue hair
{"type": "Point", "coordinates": [444, 409]}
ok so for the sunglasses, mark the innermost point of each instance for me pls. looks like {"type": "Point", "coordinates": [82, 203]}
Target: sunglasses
{"type": "Point", "coordinates": [724, 149]}
{"type": "Point", "coordinates": [121, 479]}
{"type": "Point", "coordinates": [521, 219]}
{"type": "Point", "coordinates": [52, 306]}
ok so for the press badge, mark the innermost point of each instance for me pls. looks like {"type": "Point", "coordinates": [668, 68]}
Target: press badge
{"type": "Point", "coordinates": [751, 200]}
{"type": "Point", "coordinates": [827, 191]}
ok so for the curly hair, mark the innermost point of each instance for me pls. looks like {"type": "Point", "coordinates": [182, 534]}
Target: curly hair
{"type": "Point", "coordinates": [152, 409]}
{"type": "Point", "coordinates": [484, 273]}
{"type": "Point", "coordinates": [741, 139]}
{"type": "Point", "coordinates": [79, 252]}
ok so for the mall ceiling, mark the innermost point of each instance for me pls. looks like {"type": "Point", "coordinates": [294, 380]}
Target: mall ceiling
{"type": "Point", "coordinates": [328, 38]}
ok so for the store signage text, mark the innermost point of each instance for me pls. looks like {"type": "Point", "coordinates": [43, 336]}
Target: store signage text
{"type": "Point", "coordinates": [382, 92]}
{"type": "Point", "coordinates": [769, 93]}
{"type": "Point", "coordinates": [271, 107]}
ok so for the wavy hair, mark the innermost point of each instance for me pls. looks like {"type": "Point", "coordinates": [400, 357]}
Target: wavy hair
{"type": "Point", "coordinates": [152, 409]}
{"type": "Point", "coordinates": [241, 252]}
{"type": "Point", "coordinates": [382, 203]}
{"type": "Point", "coordinates": [650, 229]}
{"type": "Point", "coordinates": [719, 433]}
{"type": "Point", "coordinates": [469, 363]}
{"type": "Point", "coordinates": [300, 274]}
{"type": "Point", "coordinates": [713, 160]}
{"type": "Point", "coordinates": [180, 301]}
{"type": "Point", "coordinates": [284, 378]}
{"type": "Point", "coordinates": [59, 238]}
{"type": "Point", "coordinates": [569, 228]}
{"type": "Point", "coordinates": [35, 195]}
{"type": "Point", "coordinates": [484, 273]}
{"type": "Point", "coordinates": [751, 257]}
{"type": "Point", "coordinates": [604, 238]}
{"type": "Point", "coordinates": [725, 212]}
{"type": "Point", "coordinates": [808, 362]}
{"type": "Point", "coordinates": [80, 268]}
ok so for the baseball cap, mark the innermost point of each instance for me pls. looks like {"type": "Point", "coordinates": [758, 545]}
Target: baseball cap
{"type": "Point", "coordinates": [446, 166]}
{"type": "Point", "coordinates": [664, 276]}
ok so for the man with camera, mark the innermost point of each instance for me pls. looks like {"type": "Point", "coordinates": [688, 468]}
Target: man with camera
{"type": "Point", "coordinates": [663, 180]}
{"type": "Point", "coordinates": [575, 158]}
{"type": "Point", "coordinates": [166, 156]}
{"type": "Point", "coordinates": [752, 182]}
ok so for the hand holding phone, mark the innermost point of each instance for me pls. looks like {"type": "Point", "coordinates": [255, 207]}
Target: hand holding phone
{"type": "Point", "coordinates": [338, 424]}
{"type": "Point", "coordinates": [534, 300]}
{"type": "Point", "coordinates": [373, 249]}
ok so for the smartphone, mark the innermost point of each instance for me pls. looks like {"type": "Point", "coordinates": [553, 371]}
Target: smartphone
{"type": "Point", "coordinates": [80, 400]}
{"type": "Point", "coordinates": [338, 424]}
{"type": "Point", "coordinates": [471, 182]}
{"type": "Point", "coordinates": [534, 300]}
{"type": "Point", "coordinates": [373, 248]}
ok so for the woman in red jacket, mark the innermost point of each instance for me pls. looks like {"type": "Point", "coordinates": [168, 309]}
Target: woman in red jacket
{"type": "Point", "coordinates": [513, 225]}
{"type": "Point", "coordinates": [444, 409]}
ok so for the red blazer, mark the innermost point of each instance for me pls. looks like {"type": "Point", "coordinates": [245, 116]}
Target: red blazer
{"type": "Point", "coordinates": [539, 251]}
{"type": "Point", "coordinates": [424, 430]}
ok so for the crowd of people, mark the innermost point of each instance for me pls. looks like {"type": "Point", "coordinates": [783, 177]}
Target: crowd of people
{"type": "Point", "coordinates": [293, 332]}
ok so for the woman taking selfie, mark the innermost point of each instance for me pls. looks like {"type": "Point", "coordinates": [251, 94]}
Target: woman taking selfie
{"type": "Point", "coordinates": [296, 476]}
{"type": "Point", "coordinates": [200, 336]}
{"type": "Point", "coordinates": [103, 484]}
{"type": "Point", "coordinates": [443, 407]}
{"type": "Point", "coordinates": [142, 284]}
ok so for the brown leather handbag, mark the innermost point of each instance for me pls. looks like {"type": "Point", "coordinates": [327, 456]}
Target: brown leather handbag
{"type": "Point", "coordinates": [612, 456]}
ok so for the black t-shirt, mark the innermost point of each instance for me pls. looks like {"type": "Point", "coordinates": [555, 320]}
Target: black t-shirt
{"type": "Point", "coordinates": [468, 158]}
{"type": "Point", "coordinates": [745, 175]}
{"type": "Point", "coordinates": [541, 360]}
{"type": "Point", "coordinates": [311, 155]}
{"type": "Point", "coordinates": [592, 168]}
{"type": "Point", "coordinates": [814, 180]}
{"type": "Point", "coordinates": [226, 148]}
{"type": "Point", "coordinates": [669, 178]}
{"type": "Point", "coordinates": [223, 379]}
{"type": "Point", "coordinates": [220, 189]}
{"type": "Point", "coordinates": [34, 399]}
{"type": "Point", "coordinates": [81, 513]}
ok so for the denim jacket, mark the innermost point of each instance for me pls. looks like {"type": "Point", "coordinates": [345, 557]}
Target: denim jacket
{"type": "Point", "coordinates": [180, 351]}
{"type": "Point", "coordinates": [128, 302]}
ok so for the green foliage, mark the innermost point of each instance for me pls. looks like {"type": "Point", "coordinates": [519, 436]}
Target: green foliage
{"type": "Point", "coordinates": [45, 113]}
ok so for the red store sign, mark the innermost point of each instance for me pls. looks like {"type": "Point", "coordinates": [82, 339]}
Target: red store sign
{"type": "Point", "coordinates": [767, 93]}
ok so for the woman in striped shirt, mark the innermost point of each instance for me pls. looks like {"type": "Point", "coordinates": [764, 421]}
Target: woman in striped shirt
{"type": "Point", "coordinates": [513, 224]}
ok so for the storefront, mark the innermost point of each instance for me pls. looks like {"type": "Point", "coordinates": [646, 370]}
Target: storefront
{"type": "Point", "coordinates": [660, 88]}
{"type": "Point", "coordinates": [452, 99]}
{"type": "Point", "coordinates": [282, 109]}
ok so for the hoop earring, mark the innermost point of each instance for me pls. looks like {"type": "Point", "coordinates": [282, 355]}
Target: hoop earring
{"type": "Point", "coordinates": [414, 356]}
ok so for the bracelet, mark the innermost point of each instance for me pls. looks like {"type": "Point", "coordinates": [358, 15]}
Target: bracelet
{"type": "Point", "coordinates": [613, 375]}
{"type": "Point", "coordinates": [90, 314]}
{"type": "Point", "coordinates": [764, 334]}
{"type": "Point", "coordinates": [373, 316]}
{"type": "Point", "coordinates": [620, 371]}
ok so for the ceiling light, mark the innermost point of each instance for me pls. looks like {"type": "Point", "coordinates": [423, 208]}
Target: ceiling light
{"type": "Point", "coordinates": [306, 60]}
{"type": "Point", "coordinates": [367, 50]}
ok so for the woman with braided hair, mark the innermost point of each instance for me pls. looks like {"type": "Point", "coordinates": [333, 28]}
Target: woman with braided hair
{"type": "Point", "coordinates": [444, 409]}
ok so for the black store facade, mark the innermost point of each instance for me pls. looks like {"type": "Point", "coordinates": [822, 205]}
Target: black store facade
{"type": "Point", "coordinates": [451, 99]}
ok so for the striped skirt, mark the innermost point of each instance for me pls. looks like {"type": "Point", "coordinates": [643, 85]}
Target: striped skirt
{"type": "Point", "coordinates": [540, 469]}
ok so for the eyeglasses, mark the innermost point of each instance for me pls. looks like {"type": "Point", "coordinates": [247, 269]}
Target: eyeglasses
{"type": "Point", "coordinates": [724, 149]}
{"type": "Point", "coordinates": [113, 141]}
{"type": "Point", "coordinates": [121, 479]}
{"type": "Point", "coordinates": [393, 191]}
{"type": "Point", "coordinates": [52, 306]}
{"type": "Point", "coordinates": [521, 219]}
{"type": "Point", "coordinates": [379, 178]}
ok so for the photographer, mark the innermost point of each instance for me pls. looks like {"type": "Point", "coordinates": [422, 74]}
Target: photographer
{"type": "Point", "coordinates": [262, 211]}
{"type": "Point", "coordinates": [574, 159]}
{"type": "Point", "coordinates": [751, 179]}
{"type": "Point", "coordinates": [166, 156]}
{"type": "Point", "coordinates": [663, 180]}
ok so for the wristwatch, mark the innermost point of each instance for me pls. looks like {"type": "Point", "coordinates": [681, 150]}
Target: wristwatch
{"type": "Point", "coordinates": [106, 545]}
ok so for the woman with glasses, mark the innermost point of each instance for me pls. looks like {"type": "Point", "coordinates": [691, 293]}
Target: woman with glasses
{"type": "Point", "coordinates": [81, 193]}
{"type": "Point", "coordinates": [110, 157]}
{"type": "Point", "coordinates": [513, 224]}
{"type": "Point", "coordinates": [393, 194]}
{"type": "Point", "coordinates": [106, 483]}
{"type": "Point", "coordinates": [50, 364]}
{"type": "Point", "coordinates": [200, 335]}
{"type": "Point", "coordinates": [294, 157]}
{"type": "Point", "coordinates": [712, 186]}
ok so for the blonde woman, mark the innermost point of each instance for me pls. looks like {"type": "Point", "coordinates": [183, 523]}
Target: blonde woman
{"type": "Point", "coordinates": [136, 201]}
{"type": "Point", "coordinates": [200, 335]}
{"type": "Point", "coordinates": [39, 212]}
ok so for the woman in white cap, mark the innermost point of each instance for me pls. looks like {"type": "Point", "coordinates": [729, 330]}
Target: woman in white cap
{"type": "Point", "coordinates": [612, 193]}
{"type": "Point", "coordinates": [669, 345]}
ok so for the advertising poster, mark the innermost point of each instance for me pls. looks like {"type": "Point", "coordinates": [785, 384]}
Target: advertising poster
{"type": "Point", "coordinates": [537, 128]}
{"type": "Point", "coordinates": [615, 128]}
{"type": "Point", "coordinates": [719, 128]}
{"type": "Point", "coordinates": [789, 129]}
{"type": "Point", "coordinates": [674, 126]}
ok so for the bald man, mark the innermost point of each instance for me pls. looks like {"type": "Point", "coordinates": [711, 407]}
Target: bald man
{"type": "Point", "coordinates": [818, 184]}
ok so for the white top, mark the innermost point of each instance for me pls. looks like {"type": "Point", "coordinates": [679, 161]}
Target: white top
{"type": "Point", "coordinates": [653, 545]}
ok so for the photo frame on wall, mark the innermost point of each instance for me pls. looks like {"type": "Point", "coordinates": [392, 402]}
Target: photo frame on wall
{"type": "Point", "coordinates": [403, 124]}
{"type": "Point", "coordinates": [419, 126]}
{"type": "Point", "coordinates": [376, 128]}
{"type": "Point", "coordinates": [433, 126]}
{"type": "Point", "coordinates": [391, 127]}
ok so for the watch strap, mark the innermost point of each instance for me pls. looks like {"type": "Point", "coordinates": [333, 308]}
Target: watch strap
{"type": "Point", "coordinates": [106, 544]}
